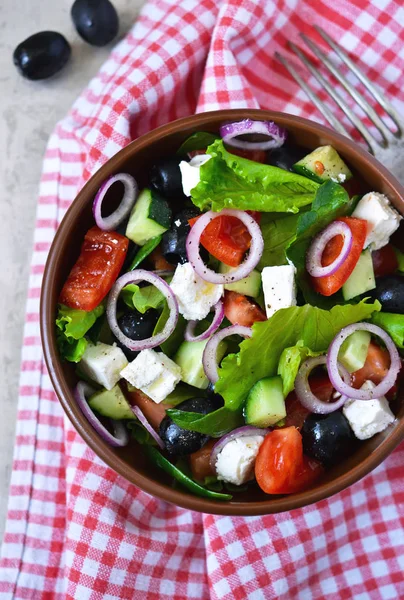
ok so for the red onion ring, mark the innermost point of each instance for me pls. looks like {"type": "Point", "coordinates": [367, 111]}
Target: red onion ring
{"type": "Point", "coordinates": [121, 435]}
{"type": "Point", "coordinates": [306, 396]}
{"type": "Point", "coordinates": [315, 252]}
{"type": "Point", "coordinates": [254, 255]}
{"type": "Point", "coordinates": [209, 359]}
{"type": "Point", "coordinates": [244, 431]}
{"type": "Point", "coordinates": [230, 131]}
{"type": "Point", "coordinates": [125, 206]}
{"type": "Point", "coordinates": [138, 412]}
{"type": "Point", "coordinates": [135, 277]}
{"type": "Point", "coordinates": [385, 385]}
{"type": "Point", "coordinates": [216, 322]}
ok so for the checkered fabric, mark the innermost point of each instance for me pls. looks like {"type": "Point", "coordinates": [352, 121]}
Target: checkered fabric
{"type": "Point", "coordinates": [75, 528]}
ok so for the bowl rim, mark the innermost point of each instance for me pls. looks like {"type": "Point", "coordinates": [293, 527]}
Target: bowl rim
{"type": "Point", "coordinates": [179, 497]}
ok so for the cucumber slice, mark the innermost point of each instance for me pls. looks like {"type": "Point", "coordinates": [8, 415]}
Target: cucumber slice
{"type": "Point", "coordinates": [362, 278]}
{"type": "Point", "coordinates": [112, 404]}
{"type": "Point", "coordinates": [189, 358]}
{"type": "Point", "coordinates": [265, 404]}
{"type": "Point", "coordinates": [150, 217]}
{"type": "Point", "coordinates": [354, 350]}
{"type": "Point", "coordinates": [322, 164]}
{"type": "Point", "coordinates": [249, 286]}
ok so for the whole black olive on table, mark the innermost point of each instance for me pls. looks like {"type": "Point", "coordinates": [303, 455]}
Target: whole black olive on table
{"type": "Point", "coordinates": [96, 21]}
{"type": "Point", "coordinates": [137, 326]}
{"type": "Point", "coordinates": [42, 55]}
{"type": "Point", "coordinates": [173, 244]}
{"type": "Point", "coordinates": [165, 178]}
{"type": "Point", "coordinates": [179, 441]}
{"type": "Point", "coordinates": [327, 438]}
{"type": "Point", "coordinates": [286, 156]}
{"type": "Point", "coordinates": [389, 291]}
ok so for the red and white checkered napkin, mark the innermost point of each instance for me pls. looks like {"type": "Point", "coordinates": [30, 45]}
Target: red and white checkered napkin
{"type": "Point", "coordinates": [75, 528]}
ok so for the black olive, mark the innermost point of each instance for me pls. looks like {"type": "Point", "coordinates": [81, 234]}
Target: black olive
{"type": "Point", "coordinates": [327, 438]}
{"type": "Point", "coordinates": [42, 55]}
{"type": "Point", "coordinates": [165, 178]}
{"type": "Point", "coordinates": [286, 156]}
{"type": "Point", "coordinates": [96, 21]}
{"type": "Point", "coordinates": [137, 327]}
{"type": "Point", "coordinates": [173, 244]}
{"type": "Point", "coordinates": [389, 291]}
{"type": "Point", "coordinates": [179, 441]}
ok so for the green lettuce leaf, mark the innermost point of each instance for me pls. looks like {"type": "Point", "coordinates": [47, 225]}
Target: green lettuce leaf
{"type": "Point", "coordinates": [277, 235]}
{"type": "Point", "coordinates": [229, 181]}
{"type": "Point", "coordinates": [71, 327]}
{"type": "Point", "coordinates": [393, 324]}
{"type": "Point", "coordinates": [142, 299]}
{"type": "Point", "coordinates": [331, 201]}
{"type": "Point", "coordinates": [197, 141]}
{"type": "Point", "coordinates": [259, 356]}
{"type": "Point", "coordinates": [215, 424]}
{"type": "Point", "coordinates": [289, 364]}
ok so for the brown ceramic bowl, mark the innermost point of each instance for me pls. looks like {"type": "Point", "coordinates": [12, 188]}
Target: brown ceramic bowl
{"type": "Point", "coordinates": [129, 462]}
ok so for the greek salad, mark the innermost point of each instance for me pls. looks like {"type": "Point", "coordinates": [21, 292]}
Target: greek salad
{"type": "Point", "coordinates": [242, 316]}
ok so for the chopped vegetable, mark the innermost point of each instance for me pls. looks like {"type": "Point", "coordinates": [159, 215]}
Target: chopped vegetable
{"type": "Point", "coordinates": [229, 181]}
{"type": "Point", "coordinates": [101, 258]}
{"type": "Point", "coordinates": [158, 459]}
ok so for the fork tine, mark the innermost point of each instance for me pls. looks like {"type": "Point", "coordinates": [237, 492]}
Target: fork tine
{"type": "Point", "coordinates": [359, 99]}
{"type": "Point", "coordinates": [337, 98]}
{"type": "Point", "coordinates": [386, 105]}
{"type": "Point", "coordinates": [325, 111]}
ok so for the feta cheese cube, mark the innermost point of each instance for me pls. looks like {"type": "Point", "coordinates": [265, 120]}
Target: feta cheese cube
{"type": "Point", "coordinates": [368, 417]}
{"type": "Point", "coordinates": [190, 172]}
{"type": "Point", "coordinates": [195, 296]}
{"type": "Point", "coordinates": [278, 284]}
{"type": "Point", "coordinates": [153, 373]}
{"type": "Point", "coordinates": [103, 364]}
{"type": "Point", "coordinates": [235, 463]}
{"type": "Point", "coordinates": [381, 217]}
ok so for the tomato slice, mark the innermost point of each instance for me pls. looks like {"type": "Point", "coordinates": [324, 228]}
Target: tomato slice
{"type": "Point", "coordinates": [239, 310]}
{"type": "Point", "coordinates": [159, 262]}
{"type": "Point", "coordinates": [332, 283]}
{"type": "Point", "coordinates": [384, 261]}
{"type": "Point", "coordinates": [280, 467]}
{"type": "Point", "coordinates": [259, 156]}
{"type": "Point", "coordinates": [153, 412]}
{"type": "Point", "coordinates": [200, 461]}
{"type": "Point", "coordinates": [296, 413]}
{"type": "Point", "coordinates": [227, 238]}
{"type": "Point", "coordinates": [375, 368]}
{"type": "Point", "coordinates": [98, 266]}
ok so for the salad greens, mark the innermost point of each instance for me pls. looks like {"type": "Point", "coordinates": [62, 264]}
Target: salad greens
{"type": "Point", "coordinates": [393, 324]}
{"type": "Point", "coordinates": [331, 201]}
{"type": "Point", "coordinates": [277, 235]}
{"type": "Point", "coordinates": [171, 345]}
{"type": "Point", "coordinates": [144, 251]}
{"type": "Point", "coordinates": [228, 181]}
{"type": "Point", "coordinates": [289, 364]}
{"type": "Point", "coordinates": [142, 299]}
{"type": "Point", "coordinates": [71, 327]}
{"type": "Point", "coordinates": [197, 141]}
{"type": "Point", "coordinates": [314, 327]}
{"type": "Point", "coordinates": [215, 424]}
{"type": "Point", "coordinates": [158, 459]}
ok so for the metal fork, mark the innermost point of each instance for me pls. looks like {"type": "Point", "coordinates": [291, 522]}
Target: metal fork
{"type": "Point", "coordinates": [389, 148]}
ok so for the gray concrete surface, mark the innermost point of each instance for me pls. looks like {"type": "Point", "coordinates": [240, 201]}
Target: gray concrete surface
{"type": "Point", "coordinates": [28, 113]}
